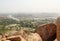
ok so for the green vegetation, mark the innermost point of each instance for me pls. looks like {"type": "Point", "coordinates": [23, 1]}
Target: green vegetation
{"type": "Point", "coordinates": [27, 23]}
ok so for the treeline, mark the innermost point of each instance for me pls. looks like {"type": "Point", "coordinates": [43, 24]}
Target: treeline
{"type": "Point", "coordinates": [23, 23]}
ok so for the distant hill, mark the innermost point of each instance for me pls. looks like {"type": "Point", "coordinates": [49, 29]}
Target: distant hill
{"type": "Point", "coordinates": [46, 14]}
{"type": "Point", "coordinates": [30, 15]}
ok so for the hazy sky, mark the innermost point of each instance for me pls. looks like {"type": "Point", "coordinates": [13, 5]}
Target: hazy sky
{"type": "Point", "coordinates": [29, 6]}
